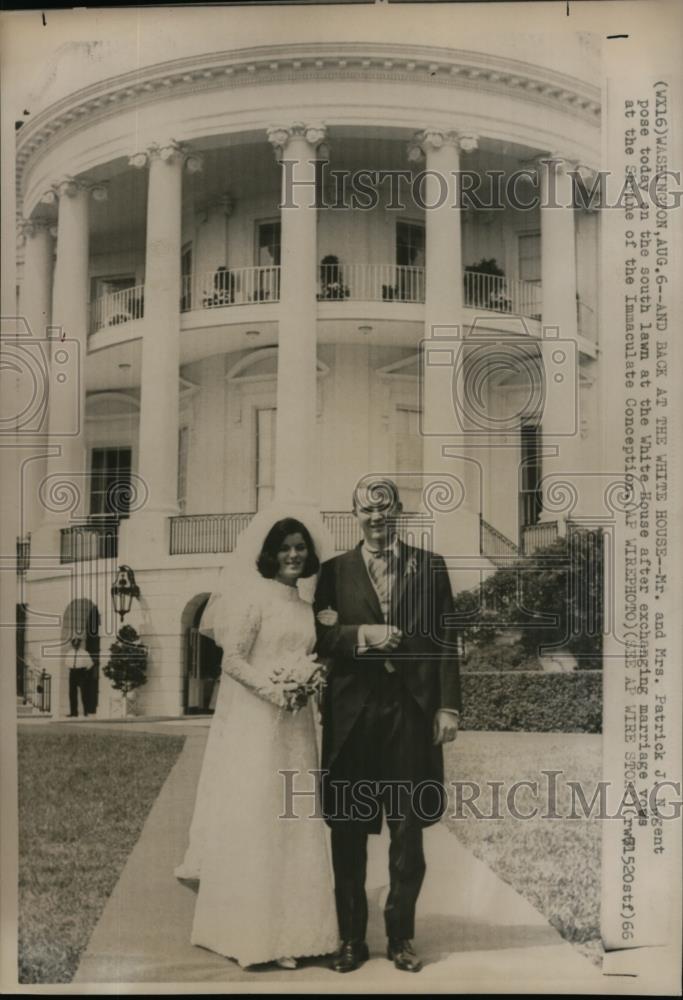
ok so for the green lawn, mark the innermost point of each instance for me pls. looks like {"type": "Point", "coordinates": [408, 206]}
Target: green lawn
{"type": "Point", "coordinates": [555, 864]}
{"type": "Point", "coordinates": [83, 799]}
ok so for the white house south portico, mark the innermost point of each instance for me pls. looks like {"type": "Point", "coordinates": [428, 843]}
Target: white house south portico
{"type": "Point", "coordinates": [242, 336]}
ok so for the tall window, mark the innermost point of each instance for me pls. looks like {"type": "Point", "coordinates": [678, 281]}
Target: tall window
{"type": "Point", "coordinates": [410, 255]}
{"type": "Point", "coordinates": [183, 446]}
{"type": "Point", "coordinates": [408, 456]}
{"type": "Point", "coordinates": [529, 256]}
{"type": "Point", "coordinates": [410, 244]}
{"type": "Point", "coordinates": [530, 498]}
{"type": "Point", "coordinates": [268, 244]}
{"type": "Point", "coordinates": [265, 456]}
{"type": "Point", "coordinates": [110, 481]}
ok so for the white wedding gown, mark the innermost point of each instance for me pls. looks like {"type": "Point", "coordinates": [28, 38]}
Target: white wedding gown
{"type": "Point", "coordinates": [266, 884]}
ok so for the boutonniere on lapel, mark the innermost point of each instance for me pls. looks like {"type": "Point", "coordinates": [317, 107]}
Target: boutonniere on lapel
{"type": "Point", "coordinates": [411, 568]}
{"type": "Point", "coordinates": [328, 616]}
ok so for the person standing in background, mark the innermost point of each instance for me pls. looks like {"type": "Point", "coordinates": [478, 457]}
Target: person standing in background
{"type": "Point", "coordinates": [80, 675]}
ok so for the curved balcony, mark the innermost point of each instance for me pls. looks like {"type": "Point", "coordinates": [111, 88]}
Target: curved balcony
{"type": "Point", "coordinates": [227, 287]}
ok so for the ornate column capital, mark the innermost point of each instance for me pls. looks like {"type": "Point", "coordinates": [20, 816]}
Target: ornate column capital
{"type": "Point", "coordinates": [279, 136]}
{"type": "Point", "coordinates": [554, 173]}
{"type": "Point", "coordinates": [29, 228]}
{"type": "Point", "coordinates": [434, 138]}
{"type": "Point", "coordinates": [550, 161]}
{"type": "Point", "coordinates": [588, 188]}
{"type": "Point", "coordinates": [70, 187]}
{"type": "Point", "coordinates": [66, 187]}
{"type": "Point", "coordinates": [168, 151]}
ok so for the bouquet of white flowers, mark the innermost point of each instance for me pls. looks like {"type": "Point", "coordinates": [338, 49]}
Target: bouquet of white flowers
{"type": "Point", "coordinates": [295, 680]}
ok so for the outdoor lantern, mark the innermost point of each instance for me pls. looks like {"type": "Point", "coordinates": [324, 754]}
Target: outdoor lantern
{"type": "Point", "coordinates": [123, 590]}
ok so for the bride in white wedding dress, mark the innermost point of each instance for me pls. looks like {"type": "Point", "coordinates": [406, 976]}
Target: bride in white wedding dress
{"type": "Point", "coordinates": [265, 883]}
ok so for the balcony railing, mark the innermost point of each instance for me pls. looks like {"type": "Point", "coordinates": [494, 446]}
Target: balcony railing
{"type": "Point", "coordinates": [346, 532]}
{"type": "Point", "coordinates": [96, 539]}
{"type": "Point", "coordinates": [496, 546]}
{"type": "Point", "coordinates": [198, 534]}
{"type": "Point", "coordinates": [344, 528]}
{"type": "Point", "coordinates": [194, 534]}
{"type": "Point", "coordinates": [494, 293]}
{"type": "Point", "coordinates": [371, 283]}
{"type": "Point", "coordinates": [117, 307]}
{"type": "Point", "coordinates": [537, 536]}
{"type": "Point", "coordinates": [336, 282]}
{"type": "Point", "coordinates": [235, 286]}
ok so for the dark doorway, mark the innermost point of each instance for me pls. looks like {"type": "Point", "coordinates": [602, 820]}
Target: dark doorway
{"type": "Point", "coordinates": [202, 667]}
{"type": "Point", "coordinates": [531, 472]}
{"type": "Point", "coordinates": [21, 649]}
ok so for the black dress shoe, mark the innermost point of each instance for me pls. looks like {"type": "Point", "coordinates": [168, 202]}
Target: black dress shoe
{"type": "Point", "coordinates": [350, 956]}
{"type": "Point", "coordinates": [72, 715]}
{"type": "Point", "coordinates": [400, 951]}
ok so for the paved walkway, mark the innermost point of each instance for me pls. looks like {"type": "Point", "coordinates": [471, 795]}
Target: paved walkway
{"type": "Point", "coordinates": [475, 933]}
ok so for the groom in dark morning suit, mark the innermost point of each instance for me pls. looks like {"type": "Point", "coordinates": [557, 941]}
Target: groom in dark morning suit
{"type": "Point", "coordinates": [392, 700]}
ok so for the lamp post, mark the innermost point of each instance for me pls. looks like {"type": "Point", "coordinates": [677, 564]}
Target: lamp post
{"type": "Point", "coordinates": [123, 590]}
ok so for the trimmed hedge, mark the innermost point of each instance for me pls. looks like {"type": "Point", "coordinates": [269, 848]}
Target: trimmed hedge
{"type": "Point", "coordinates": [499, 659]}
{"type": "Point", "coordinates": [533, 702]}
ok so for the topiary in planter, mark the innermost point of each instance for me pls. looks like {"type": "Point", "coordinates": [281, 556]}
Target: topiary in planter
{"type": "Point", "coordinates": [127, 666]}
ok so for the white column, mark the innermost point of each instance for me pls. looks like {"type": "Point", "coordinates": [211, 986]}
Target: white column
{"type": "Point", "coordinates": [36, 287]}
{"type": "Point", "coordinates": [65, 492]}
{"type": "Point", "coordinates": [296, 433]}
{"type": "Point", "coordinates": [561, 421]}
{"type": "Point", "coordinates": [456, 531]}
{"type": "Point", "coordinates": [35, 307]}
{"type": "Point", "coordinates": [159, 403]}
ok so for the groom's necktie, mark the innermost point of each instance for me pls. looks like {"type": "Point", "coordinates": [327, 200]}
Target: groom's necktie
{"type": "Point", "coordinates": [379, 568]}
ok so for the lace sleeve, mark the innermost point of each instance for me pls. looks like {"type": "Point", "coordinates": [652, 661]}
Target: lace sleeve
{"type": "Point", "coordinates": [237, 636]}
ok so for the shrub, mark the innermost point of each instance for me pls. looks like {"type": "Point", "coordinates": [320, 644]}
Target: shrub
{"type": "Point", "coordinates": [533, 702]}
{"type": "Point", "coordinates": [491, 658]}
{"type": "Point", "coordinates": [127, 666]}
{"type": "Point", "coordinates": [554, 597]}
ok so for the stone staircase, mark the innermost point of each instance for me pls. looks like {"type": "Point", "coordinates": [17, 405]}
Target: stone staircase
{"type": "Point", "coordinates": [25, 710]}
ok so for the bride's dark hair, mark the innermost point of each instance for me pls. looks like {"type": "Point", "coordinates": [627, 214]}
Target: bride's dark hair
{"type": "Point", "coordinates": [267, 563]}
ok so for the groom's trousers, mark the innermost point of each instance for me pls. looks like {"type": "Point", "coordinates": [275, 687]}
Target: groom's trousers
{"type": "Point", "coordinates": [383, 757]}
